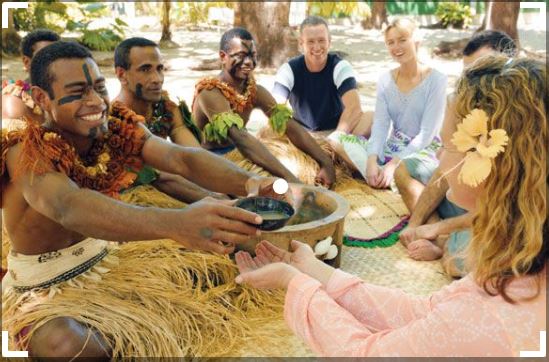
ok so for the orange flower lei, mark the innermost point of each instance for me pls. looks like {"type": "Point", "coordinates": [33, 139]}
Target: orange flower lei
{"type": "Point", "coordinates": [161, 121]}
{"type": "Point", "coordinates": [239, 102]}
{"type": "Point", "coordinates": [110, 166]}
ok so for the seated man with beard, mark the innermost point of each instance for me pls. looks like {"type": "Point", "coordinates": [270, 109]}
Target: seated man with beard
{"type": "Point", "coordinates": [140, 69]}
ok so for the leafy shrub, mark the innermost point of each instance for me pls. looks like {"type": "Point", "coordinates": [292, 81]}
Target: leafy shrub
{"type": "Point", "coordinates": [41, 14]}
{"type": "Point", "coordinates": [454, 14]}
{"type": "Point", "coordinates": [53, 15]}
{"type": "Point", "coordinates": [195, 12]}
{"type": "Point", "coordinates": [102, 39]}
{"type": "Point", "coordinates": [339, 9]}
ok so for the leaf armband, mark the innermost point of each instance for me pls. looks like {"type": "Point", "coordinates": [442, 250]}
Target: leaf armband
{"type": "Point", "coordinates": [280, 116]}
{"type": "Point", "coordinates": [218, 127]}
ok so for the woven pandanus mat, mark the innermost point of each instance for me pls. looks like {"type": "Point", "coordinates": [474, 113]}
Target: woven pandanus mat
{"type": "Point", "coordinates": [392, 267]}
{"type": "Point", "coordinates": [372, 212]}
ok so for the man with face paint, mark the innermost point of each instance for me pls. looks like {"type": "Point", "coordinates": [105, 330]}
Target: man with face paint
{"type": "Point", "coordinates": [60, 184]}
{"type": "Point", "coordinates": [222, 107]}
{"type": "Point", "coordinates": [434, 219]}
{"type": "Point", "coordinates": [16, 98]}
{"type": "Point", "coordinates": [140, 70]}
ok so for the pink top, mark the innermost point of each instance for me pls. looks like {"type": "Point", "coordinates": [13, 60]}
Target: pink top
{"type": "Point", "coordinates": [356, 319]}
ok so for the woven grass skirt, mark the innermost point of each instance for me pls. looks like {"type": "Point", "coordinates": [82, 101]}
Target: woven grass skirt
{"type": "Point", "coordinates": [152, 298]}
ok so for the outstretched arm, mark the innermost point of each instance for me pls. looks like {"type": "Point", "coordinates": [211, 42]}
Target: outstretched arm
{"type": "Point", "coordinates": [387, 323]}
{"type": "Point", "coordinates": [182, 189]}
{"type": "Point", "coordinates": [212, 103]}
{"type": "Point", "coordinates": [340, 315]}
{"type": "Point", "coordinates": [306, 143]}
{"type": "Point", "coordinates": [256, 152]}
{"type": "Point", "coordinates": [197, 165]}
{"type": "Point", "coordinates": [298, 136]}
{"type": "Point", "coordinates": [90, 213]}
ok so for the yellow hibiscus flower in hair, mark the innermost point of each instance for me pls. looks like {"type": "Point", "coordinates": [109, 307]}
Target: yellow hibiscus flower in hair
{"type": "Point", "coordinates": [480, 146]}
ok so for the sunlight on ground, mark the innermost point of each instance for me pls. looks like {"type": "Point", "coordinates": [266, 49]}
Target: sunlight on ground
{"type": "Point", "coordinates": [366, 211]}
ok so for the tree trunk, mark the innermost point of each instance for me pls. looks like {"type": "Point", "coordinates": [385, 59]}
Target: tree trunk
{"type": "Point", "coordinates": [10, 39]}
{"type": "Point", "coordinates": [166, 39]}
{"type": "Point", "coordinates": [268, 22]}
{"type": "Point", "coordinates": [503, 16]}
{"type": "Point", "coordinates": [378, 17]}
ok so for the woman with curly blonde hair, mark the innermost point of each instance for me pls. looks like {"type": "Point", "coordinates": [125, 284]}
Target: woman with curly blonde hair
{"type": "Point", "coordinates": [495, 162]}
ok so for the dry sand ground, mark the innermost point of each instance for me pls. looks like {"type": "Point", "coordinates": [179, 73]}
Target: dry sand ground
{"type": "Point", "coordinates": [363, 48]}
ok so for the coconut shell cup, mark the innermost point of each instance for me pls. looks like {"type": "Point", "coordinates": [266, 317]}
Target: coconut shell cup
{"type": "Point", "coordinates": [275, 213]}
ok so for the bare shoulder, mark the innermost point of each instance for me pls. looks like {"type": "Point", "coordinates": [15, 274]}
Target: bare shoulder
{"type": "Point", "coordinates": [15, 165]}
{"type": "Point", "coordinates": [211, 102]}
{"type": "Point", "coordinates": [210, 94]}
{"type": "Point", "coordinates": [13, 107]}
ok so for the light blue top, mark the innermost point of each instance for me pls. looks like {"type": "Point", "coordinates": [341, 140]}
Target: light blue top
{"type": "Point", "coordinates": [417, 113]}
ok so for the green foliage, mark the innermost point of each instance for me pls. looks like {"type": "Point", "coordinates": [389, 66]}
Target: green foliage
{"type": "Point", "coordinates": [280, 115]}
{"type": "Point", "coordinates": [195, 12]}
{"type": "Point", "coordinates": [454, 14]}
{"type": "Point", "coordinates": [102, 39]}
{"type": "Point", "coordinates": [44, 14]}
{"type": "Point", "coordinates": [218, 127]}
{"type": "Point", "coordinates": [188, 120]}
{"type": "Point", "coordinates": [54, 15]}
{"type": "Point", "coordinates": [96, 9]}
{"type": "Point", "coordinates": [145, 176]}
{"type": "Point", "coordinates": [339, 9]}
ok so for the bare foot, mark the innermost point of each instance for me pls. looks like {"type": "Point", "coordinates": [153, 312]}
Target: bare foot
{"type": "Point", "coordinates": [423, 249]}
{"type": "Point", "coordinates": [407, 235]}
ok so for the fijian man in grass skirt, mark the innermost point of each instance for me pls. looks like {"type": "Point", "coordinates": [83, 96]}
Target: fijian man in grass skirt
{"type": "Point", "coordinates": [69, 292]}
{"type": "Point", "coordinates": [140, 69]}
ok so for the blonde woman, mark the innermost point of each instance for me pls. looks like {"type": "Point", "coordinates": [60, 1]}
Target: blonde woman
{"type": "Point", "coordinates": [410, 100]}
{"type": "Point", "coordinates": [494, 159]}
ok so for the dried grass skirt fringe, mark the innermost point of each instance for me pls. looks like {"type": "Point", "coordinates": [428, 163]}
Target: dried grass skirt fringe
{"type": "Point", "coordinates": [156, 299]}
